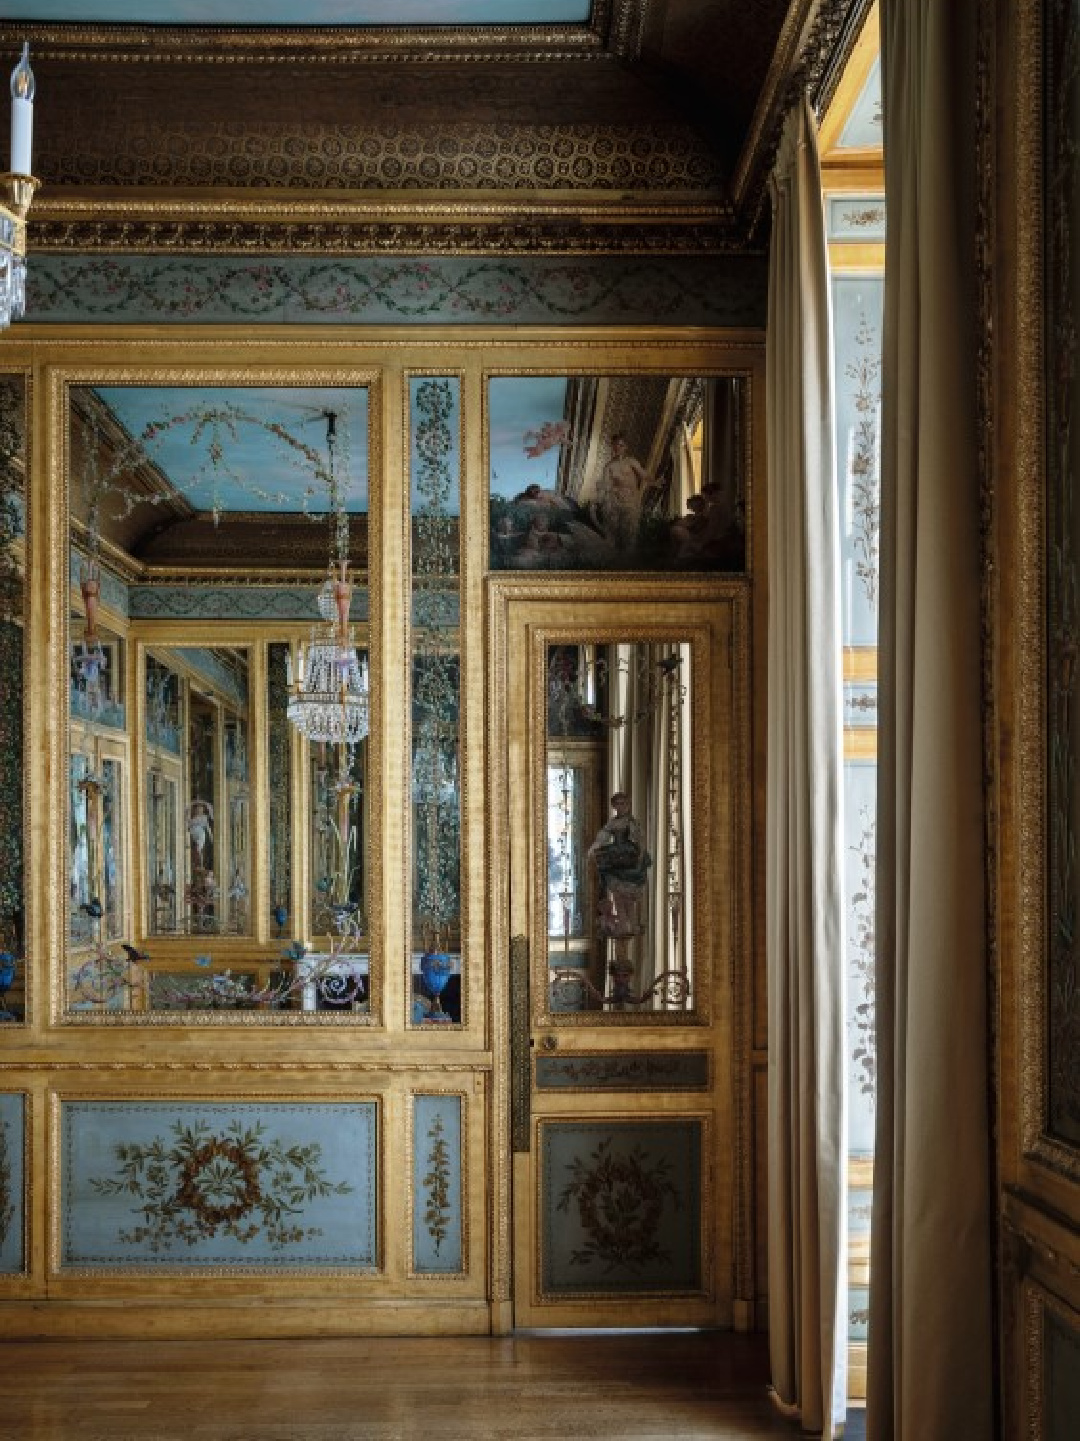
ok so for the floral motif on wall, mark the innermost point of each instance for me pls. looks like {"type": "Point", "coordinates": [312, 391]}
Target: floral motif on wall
{"type": "Point", "coordinates": [7, 1196]}
{"type": "Point", "coordinates": [437, 1180]}
{"type": "Point", "coordinates": [865, 374]}
{"type": "Point", "coordinates": [200, 1183]}
{"type": "Point", "coordinates": [861, 956]}
{"type": "Point", "coordinates": [620, 1196]}
{"type": "Point", "coordinates": [727, 290]}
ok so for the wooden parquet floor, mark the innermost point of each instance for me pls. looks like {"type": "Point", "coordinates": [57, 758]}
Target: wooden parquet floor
{"type": "Point", "coordinates": [610, 1388]}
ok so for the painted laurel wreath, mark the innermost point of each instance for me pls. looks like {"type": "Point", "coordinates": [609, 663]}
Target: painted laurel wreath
{"type": "Point", "coordinates": [620, 1199]}
{"type": "Point", "coordinates": [237, 1183]}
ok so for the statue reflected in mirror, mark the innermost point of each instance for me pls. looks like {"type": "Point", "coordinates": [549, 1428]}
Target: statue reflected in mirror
{"type": "Point", "coordinates": [622, 863]}
{"type": "Point", "coordinates": [631, 472]}
{"type": "Point", "coordinates": [619, 933]}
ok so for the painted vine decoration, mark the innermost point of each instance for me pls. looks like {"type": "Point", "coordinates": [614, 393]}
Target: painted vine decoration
{"type": "Point", "coordinates": [437, 1211]}
{"type": "Point", "coordinates": [202, 1182]}
{"type": "Point", "coordinates": [865, 371]}
{"type": "Point", "coordinates": [861, 941]}
{"type": "Point", "coordinates": [7, 1198]}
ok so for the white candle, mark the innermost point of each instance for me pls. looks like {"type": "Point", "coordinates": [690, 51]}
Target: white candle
{"type": "Point", "coordinates": [22, 114]}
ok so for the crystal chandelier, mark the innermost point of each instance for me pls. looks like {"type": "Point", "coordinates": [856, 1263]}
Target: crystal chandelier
{"type": "Point", "coordinates": [328, 695]}
{"type": "Point", "coordinates": [18, 191]}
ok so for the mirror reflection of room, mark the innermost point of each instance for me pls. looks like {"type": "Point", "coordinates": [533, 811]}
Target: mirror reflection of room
{"type": "Point", "coordinates": [619, 834]}
{"type": "Point", "coordinates": [219, 708]}
{"type": "Point", "coordinates": [624, 472]}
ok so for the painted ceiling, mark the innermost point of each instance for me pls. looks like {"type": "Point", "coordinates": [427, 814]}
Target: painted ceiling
{"type": "Point", "coordinates": [244, 449]}
{"type": "Point", "coordinates": [303, 12]}
{"type": "Point", "coordinates": [519, 407]}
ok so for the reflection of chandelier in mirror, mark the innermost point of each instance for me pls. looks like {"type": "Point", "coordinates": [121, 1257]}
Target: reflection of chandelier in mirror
{"type": "Point", "coordinates": [328, 694]}
{"type": "Point", "coordinates": [19, 186]}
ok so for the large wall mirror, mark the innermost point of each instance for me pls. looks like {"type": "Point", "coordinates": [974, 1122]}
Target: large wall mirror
{"type": "Point", "coordinates": [219, 767]}
{"type": "Point", "coordinates": [619, 472]}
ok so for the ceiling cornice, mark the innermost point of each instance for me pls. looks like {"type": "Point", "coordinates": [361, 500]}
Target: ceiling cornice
{"type": "Point", "coordinates": [814, 44]}
{"type": "Point", "coordinates": [611, 30]}
{"type": "Point", "coordinates": [664, 199]}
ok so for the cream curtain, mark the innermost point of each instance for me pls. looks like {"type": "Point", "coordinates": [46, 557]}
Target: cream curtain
{"type": "Point", "coordinates": [804, 848]}
{"type": "Point", "coordinates": [930, 1297]}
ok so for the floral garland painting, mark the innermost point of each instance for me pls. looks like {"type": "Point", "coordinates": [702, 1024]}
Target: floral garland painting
{"type": "Point", "coordinates": [620, 1198]}
{"type": "Point", "coordinates": [201, 1183]}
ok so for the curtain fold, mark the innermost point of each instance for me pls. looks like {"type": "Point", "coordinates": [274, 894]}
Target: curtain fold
{"type": "Point", "coordinates": [929, 1363]}
{"type": "Point", "coordinates": [804, 848]}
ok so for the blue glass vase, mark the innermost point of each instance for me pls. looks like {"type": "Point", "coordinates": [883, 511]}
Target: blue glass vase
{"type": "Point", "coordinates": [8, 962]}
{"type": "Point", "coordinates": [436, 968]}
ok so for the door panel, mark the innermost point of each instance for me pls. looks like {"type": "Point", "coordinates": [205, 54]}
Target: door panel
{"type": "Point", "coordinates": [627, 795]}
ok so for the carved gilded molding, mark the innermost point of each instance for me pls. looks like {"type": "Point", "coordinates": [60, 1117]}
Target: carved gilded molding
{"type": "Point", "coordinates": [816, 38]}
{"type": "Point", "coordinates": [370, 44]}
{"type": "Point", "coordinates": [691, 231]}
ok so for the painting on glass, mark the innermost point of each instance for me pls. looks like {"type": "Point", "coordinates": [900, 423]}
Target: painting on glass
{"type": "Point", "coordinates": [617, 473]}
{"type": "Point", "coordinates": [219, 699]}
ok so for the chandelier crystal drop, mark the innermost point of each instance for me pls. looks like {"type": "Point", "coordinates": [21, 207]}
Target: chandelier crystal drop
{"type": "Point", "coordinates": [328, 694]}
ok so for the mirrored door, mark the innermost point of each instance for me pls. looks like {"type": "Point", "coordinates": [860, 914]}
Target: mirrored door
{"type": "Point", "coordinates": [627, 794]}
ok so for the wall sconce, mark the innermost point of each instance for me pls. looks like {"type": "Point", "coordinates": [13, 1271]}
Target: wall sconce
{"type": "Point", "coordinates": [18, 191]}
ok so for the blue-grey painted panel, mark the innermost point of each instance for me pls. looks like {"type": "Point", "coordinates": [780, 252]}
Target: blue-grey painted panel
{"type": "Point", "coordinates": [855, 219]}
{"type": "Point", "coordinates": [304, 12]}
{"type": "Point", "coordinates": [233, 602]}
{"type": "Point", "coordinates": [196, 1184]}
{"type": "Point", "coordinates": [620, 1207]}
{"type": "Point", "coordinates": [864, 128]}
{"type": "Point", "coordinates": [857, 311]}
{"type": "Point", "coordinates": [12, 1184]}
{"type": "Point", "coordinates": [437, 1190]}
{"type": "Point", "coordinates": [598, 290]}
{"type": "Point", "coordinates": [624, 1071]}
{"type": "Point", "coordinates": [214, 671]}
{"type": "Point", "coordinates": [1061, 1386]}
